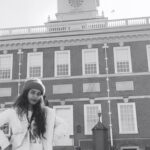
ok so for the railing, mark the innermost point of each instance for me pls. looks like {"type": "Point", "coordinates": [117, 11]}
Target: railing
{"type": "Point", "coordinates": [77, 26]}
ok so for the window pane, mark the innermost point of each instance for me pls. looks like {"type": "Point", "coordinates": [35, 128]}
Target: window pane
{"type": "Point", "coordinates": [62, 63]}
{"type": "Point", "coordinates": [91, 117]}
{"type": "Point", "coordinates": [90, 69]}
{"type": "Point", "coordinates": [35, 61]}
{"type": "Point", "coordinates": [122, 60]}
{"type": "Point", "coordinates": [62, 57]}
{"type": "Point", "coordinates": [35, 71]}
{"type": "Point", "coordinates": [4, 74]}
{"type": "Point", "coordinates": [62, 69]}
{"type": "Point", "coordinates": [123, 66]}
{"type": "Point", "coordinates": [148, 56]}
{"type": "Point", "coordinates": [127, 118]}
{"type": "Point", "coordinates": [90, 56]}
{"type": "Point", "coordinates": [122, 55]}
{"type": "Point", "coordinates": [5, 66]}
{"type": "Point", "coordinates": [90, 61]}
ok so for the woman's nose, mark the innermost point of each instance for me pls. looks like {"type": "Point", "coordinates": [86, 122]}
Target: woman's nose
{"type": "Point", "coordinates": [35, 95]}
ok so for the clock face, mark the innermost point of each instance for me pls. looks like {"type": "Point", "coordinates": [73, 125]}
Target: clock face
{"type": "Point", "coordinates": [75, 3]}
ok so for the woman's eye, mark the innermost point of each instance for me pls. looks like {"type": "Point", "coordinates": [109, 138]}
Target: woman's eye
{"type": "Point", "coordinates": [39, 94]}
{"type": "Point", "coordinates": [32, 92]}
{"type": "Point", "coordinates": [36, 93]}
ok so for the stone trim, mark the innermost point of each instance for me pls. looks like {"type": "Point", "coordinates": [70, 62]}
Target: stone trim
{"type": "Point", "coordinates": [73, 40]}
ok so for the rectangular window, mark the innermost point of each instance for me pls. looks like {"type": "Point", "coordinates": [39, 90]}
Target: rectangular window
{"type": "Point", "coordinates": [6, 63]}
{"type": "Point", "coordinates": [91, 117]}
{"type": "Point", "coordinates": [122, 60]}
{"type": "Point", "coordinates": [90, 61]}
{"type": "Point", "coordinates": [148, 56]}
{"type": "Point", "coordinates": [62, 63]}
{"type": "Point", "coordinates": [35, 65]}
{"type": "Point", "coordinates": [127, 118]}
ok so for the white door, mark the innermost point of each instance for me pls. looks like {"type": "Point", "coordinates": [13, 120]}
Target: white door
{"type": "Point", "coordinates": [66, 113]}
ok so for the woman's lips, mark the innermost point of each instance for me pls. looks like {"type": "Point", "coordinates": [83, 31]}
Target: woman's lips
{"type": "Point", "coordinates": [34, 100]}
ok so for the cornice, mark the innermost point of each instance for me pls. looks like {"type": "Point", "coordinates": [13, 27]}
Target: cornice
{"type": "Point", "coordinates": [75, 40]}
{"type": "Point", "coordinates": [100, 76]}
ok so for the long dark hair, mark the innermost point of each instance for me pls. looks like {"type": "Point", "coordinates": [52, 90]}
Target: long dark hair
{"type": "Point", "coordinates": [21, 106]}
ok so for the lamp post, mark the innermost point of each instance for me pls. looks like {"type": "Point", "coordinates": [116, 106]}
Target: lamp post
{"type": "Point", "coordinates": [108, 94]}
{"type": "Point", "coordinates": [19, 74]}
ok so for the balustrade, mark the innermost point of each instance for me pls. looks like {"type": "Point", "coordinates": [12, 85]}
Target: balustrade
{"type": "Point", "coordinates": [76, 26]}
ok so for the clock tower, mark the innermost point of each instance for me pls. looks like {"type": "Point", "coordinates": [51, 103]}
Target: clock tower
{"type": "Point", "coordinates": [76, 9]}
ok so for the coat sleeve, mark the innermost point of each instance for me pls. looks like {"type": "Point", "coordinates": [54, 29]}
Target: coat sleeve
{"type": "Point", "coordinates": [4, 142]}
{"type": "Point", "coordinates": [60, 129]}
{"type": "Point", "coordinates": [4, 118]}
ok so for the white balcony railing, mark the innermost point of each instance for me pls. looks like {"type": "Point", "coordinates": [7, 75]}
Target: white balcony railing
{"type": "Point", "coordinates": [67, 27]}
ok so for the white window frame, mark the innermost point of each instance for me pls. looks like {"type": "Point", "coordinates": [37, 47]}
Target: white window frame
{"type": "Point", "coordinates": [83, 60]}
{"type": "Point", "coordinates": [69, 63]}
{"type": "Point", "coordinates": [11, 68]}
{"type": "Point", "coordinates": [129, 147]}
{"type": "Point", "coordinates": [85, 116]}
{"type": "Point", "coordinates": [115, 59]}
{"type": "Point", "coordinates": [148, 56]}
{"type": "Point", "coordinates": [28, 64]}
{"type": "Point", "coordinates": [135, 119]}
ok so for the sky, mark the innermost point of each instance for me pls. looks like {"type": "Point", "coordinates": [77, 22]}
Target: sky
{"type": "Point", "coordinates": [23, 13]}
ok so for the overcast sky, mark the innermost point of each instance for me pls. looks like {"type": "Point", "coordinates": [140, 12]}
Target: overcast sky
{"type": "Point", "coordinates": [18, 13]}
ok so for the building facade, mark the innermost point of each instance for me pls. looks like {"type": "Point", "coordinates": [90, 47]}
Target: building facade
{"type": "Point", "coordinates": [89, 64]}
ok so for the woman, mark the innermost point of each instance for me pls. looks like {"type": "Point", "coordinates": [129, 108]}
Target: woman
{"type": "Point", "coordinates": [33, 125]}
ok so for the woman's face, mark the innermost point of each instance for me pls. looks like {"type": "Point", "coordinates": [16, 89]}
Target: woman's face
{"type": "Point", "coordinates": [34, 96]}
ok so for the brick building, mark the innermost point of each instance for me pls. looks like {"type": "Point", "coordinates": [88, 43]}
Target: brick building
{"type": "Point", "coordinates": [89, 64]}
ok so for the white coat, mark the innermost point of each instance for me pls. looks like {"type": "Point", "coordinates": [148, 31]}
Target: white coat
{"type": "Point", "coordinates": [55, 128]}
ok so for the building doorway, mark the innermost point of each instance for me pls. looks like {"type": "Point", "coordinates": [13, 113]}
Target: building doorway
{"type": "Point", "coordinates": [66, 112]}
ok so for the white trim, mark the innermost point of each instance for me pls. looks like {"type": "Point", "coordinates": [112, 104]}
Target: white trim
{"type": "Point", "coordinates": [11, 72]}
{"type": "Point", "coordinates": [64, 106]}
{"type": "Point", "coordinates": [115, 59]}
{"type": "Point", "coordinates": [97, 61]}
{"type": "Point", "coordinates": [82, 77]}
{"type": "Point", "coordinates": [11, 64]}
{"type": "Point", "coordinates": [85, 116]}
{"type": "Point", "coordinates": [103, 99]}
{"type": "Point", "coordinates": [123, 139]}
{"type": "Point", "coordinates": [129, 147]}
{"type": "Point", "coordinates": [135, 119]}
{"type": "Point", "coordinates": [28, 64]}
{"type": "Point", "coordinates": [55, 64]}
{"type": "Point", "coordinates": [148, 56]}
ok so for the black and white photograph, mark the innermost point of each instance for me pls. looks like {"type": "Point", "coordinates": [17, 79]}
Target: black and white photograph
{"type": "Point", "coordinates": [74, 75]}
{"type": "Point", "coordinates": [5, 128]}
